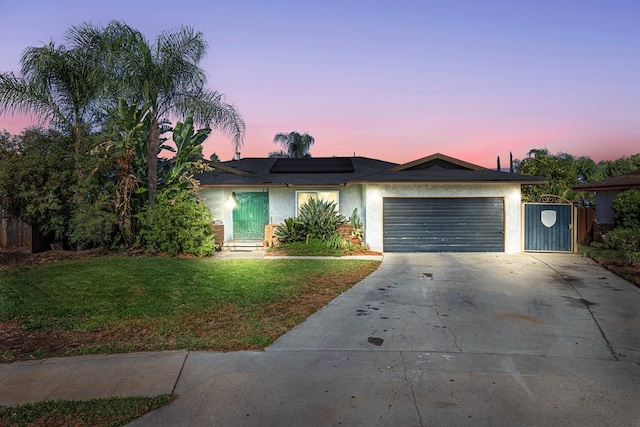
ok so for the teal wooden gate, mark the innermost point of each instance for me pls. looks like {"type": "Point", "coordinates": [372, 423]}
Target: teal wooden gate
{"type": "Point", "coordinates": [250, 215]}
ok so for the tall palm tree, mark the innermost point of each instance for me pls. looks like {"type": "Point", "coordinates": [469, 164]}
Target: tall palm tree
{"type": "Point", "coordinates": [59, 86]}
{"type": "Point", "coordinates": [294, 144]}
{"type": "Point", "coordinates": [166, 76]}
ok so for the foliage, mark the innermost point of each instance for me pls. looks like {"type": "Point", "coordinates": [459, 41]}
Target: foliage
{"type": "Point", "coordinates": [317, 220]}
{"type": "Point", "coordinates": [290, 231]}
{"type": "Point", "coordinates": [165, 75]}
{"type": "Point", "coordinates": [37, 179]}
{"type": "Point", "coordinates": [621, 166]}
{"type": "Point", "coordinates": [106, 412]}
{"type": "Point", "coordinates": [129, 122]}
{"type": "Point", "coordinates": [294, 144]}
{"type": "Point", "coordinates": [58, 85]}
{"type": "Point", "coordinates": [356, 222]}
{"type": "Point", "coordinates": [188, 158]}
{"type": "Point", "coordinates": [320, 219]}
{"type": "Point", "coordinates": [336, 241]}
{"type": "Point", "coordinates": [178, 223]}
{"type": "Point", "coordinates": [560, 169]}
{"type": "Point", "coordinates": [626, 209]}
{"type": "Point", "coordinates": [626, 241]}
{"type": "Point", "coordinates": [619, 238]}
{"type": "Point", "coordinates": [311, 247]}
{"type": "Point", "coordinates": [94, 221]}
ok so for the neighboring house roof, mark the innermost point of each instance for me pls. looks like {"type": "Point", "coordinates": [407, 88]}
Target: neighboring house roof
{"type": "Point", "coordinates": [622, 182]}
{"type": "Point", "coordinates": [341, 171]}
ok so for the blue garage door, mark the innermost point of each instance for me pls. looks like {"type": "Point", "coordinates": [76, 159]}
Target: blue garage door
{"type": "Point", "coordinates": [473, 224]}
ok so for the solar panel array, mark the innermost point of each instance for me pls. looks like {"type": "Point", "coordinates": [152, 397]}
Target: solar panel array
{"type": "Point", "coordinates": [313, 165]}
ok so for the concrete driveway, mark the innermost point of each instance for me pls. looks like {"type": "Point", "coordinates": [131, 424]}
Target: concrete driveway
{"type": "Point", "coordinates": [438, 339]}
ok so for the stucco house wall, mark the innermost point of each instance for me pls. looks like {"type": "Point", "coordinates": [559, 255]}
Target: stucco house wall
{"type": "Point", "coordinates": [604, 205]}
{"type": "Point", "coordinates": [282, 203]}
{"type": "Point", "coordinates": [511, 193]}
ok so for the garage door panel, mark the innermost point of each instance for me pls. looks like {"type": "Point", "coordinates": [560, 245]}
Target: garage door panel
{"type": "Point", "coordinates": [443, 225]}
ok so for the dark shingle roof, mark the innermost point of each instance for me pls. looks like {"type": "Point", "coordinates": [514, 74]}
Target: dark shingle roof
{"type": "Point", "coordinates": [334, 171]}
{"type": "Point", "coordinates": [631, 180]}
{"type": "Point", "coordinates": [438, 174]}
{"type": "Point", "coordinates": [261, 171]}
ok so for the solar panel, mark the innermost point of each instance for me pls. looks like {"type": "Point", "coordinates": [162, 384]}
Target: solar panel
{"type": "Point", "coordinates": [312, 165]}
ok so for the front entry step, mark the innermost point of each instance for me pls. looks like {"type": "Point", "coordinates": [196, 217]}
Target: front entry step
{"type": "Point", "coordinates": [243, 246]}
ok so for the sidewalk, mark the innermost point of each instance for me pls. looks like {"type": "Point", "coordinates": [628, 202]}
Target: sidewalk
{"type": "Point", "coordinates": [89, 377]}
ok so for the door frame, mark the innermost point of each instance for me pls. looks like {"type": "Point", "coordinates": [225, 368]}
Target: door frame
{"type": "Point", "coordinates": [235, 208]}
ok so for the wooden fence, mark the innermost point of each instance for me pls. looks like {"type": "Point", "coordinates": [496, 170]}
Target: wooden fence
{"type": "Point", "coordinates": [586, 225]}
{"type": "Point", "coordinates": [14, 234]}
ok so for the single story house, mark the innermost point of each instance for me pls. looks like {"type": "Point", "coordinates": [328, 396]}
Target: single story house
{"type": "Point", "coordinates": [433, 204]}
{"type": "Point", "coordinates": [606, 190]}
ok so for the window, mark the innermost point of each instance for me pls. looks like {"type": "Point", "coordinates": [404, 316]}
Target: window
{"type": "Point", "coordinates": [326, 196]}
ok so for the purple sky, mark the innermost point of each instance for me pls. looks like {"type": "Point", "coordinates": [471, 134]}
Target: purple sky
{"type": "Point", "coordinates": [395, 80]}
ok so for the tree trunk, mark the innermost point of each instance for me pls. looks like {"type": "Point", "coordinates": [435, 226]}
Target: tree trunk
{"type": "Point", "coordinates": [153, 140]}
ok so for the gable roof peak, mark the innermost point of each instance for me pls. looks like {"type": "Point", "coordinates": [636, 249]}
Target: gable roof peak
{"type": "Point", "coordinates": [437, 159]}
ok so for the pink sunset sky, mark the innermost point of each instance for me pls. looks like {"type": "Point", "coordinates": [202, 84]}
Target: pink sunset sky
{"type": "Point", "coordinates": [394, 80]}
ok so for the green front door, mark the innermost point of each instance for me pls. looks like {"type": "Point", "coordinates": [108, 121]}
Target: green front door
{"type": "Point", "coordinates": [250, 215]}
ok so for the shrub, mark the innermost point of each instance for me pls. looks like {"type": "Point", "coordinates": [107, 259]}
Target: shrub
{"type": "Point", "coordinates": [626, 241]}
{"type": "Point", "coordinates": [626, 209]}
{"type": "Point", "coordinates": [94, 221]}
{"type": "Point", "coordinates": [320, 219]}
{"type": "Point", "coordinates": [178, 223]}
{"type": "Point", "coordinates": [619, 238]}
{"type": "Point", "coordinates": [290, 231]}
{"type": "Point", "coordinates": [356, 222]}
{"type": "Point", "coordinates": [336, 241]}
{"type": "Point", "coordinates": [312, 247]}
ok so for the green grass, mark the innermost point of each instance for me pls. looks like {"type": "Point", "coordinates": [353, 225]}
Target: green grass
{"type": "Point", "coordinates": [124, 304]}
{"type": "Point", "coordinates": [110, 412]}
{"type": "Point", "coordinates": [596, 252]}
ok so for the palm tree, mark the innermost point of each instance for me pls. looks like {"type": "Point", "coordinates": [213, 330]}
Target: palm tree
{"type": "Point", "coordinates": [59, 86]}
{"type": "Point", "coordinates": [164, 75]}
{"type": "Point", "coordinates": [294, 144]}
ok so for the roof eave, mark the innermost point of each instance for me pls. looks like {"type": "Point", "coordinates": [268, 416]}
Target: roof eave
{"type": "Point", "coordinates": [606, 187]}
{"type": "Point", "coordinates": [264, 185]}
{"type": "Point", "coordinates": [447, 182]}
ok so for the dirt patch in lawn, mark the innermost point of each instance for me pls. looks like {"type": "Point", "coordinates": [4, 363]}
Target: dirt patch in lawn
{"type": "Point", "coordinates": [21, 344]}
{"type": "Point", "coordinates": [21, 259]}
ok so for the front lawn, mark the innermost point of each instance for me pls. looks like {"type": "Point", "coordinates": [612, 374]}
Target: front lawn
{"type": "Point", "coordinates": [126, 304]}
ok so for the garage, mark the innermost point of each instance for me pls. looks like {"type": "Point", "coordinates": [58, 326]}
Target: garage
{"type": "Point", "coordinates": [444, 224]}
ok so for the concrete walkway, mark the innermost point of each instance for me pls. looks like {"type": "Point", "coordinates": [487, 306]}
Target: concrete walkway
{"type": "Point", "coordinates": [428, 339]}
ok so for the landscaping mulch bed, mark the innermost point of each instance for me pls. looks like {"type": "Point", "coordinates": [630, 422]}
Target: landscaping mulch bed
{"type": "Point", "coordinates": [279, 252]}
{"type": "Point", "coordinates": [632, 274]}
